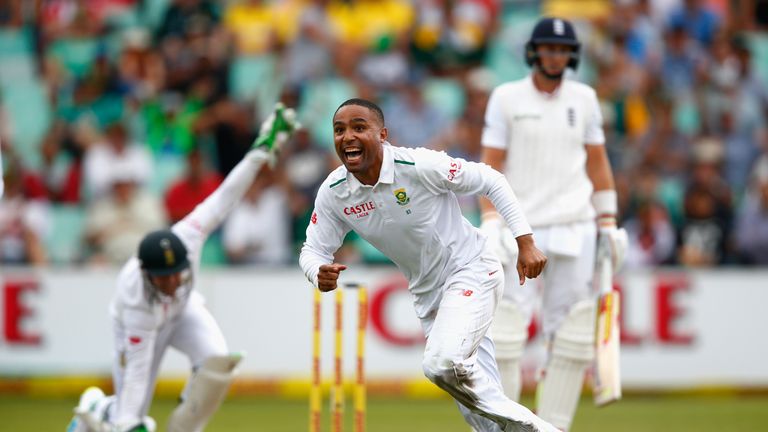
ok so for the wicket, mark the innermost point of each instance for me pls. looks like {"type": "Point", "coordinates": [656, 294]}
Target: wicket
{"type": "Point", "coordinates": [337, 388]}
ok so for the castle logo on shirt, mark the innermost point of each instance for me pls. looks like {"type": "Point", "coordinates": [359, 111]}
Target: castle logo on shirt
{"type": "Point", "coordinates": [360, 210]}
{"type": "Point", "coordinates": [402, 197]}
{"type": "Point", "coordinates": [454, 169]}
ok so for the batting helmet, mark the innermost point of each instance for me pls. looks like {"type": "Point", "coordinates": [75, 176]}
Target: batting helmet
{"type": "Point", "coordinates": [162, 253]}
{"type": "Point", "coordinates": [553, 31]}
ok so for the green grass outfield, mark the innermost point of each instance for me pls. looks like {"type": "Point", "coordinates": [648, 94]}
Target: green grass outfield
{"type": "Point", "coordinates": [260, 414]}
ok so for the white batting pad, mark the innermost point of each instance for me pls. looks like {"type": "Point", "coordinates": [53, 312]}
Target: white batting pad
{"type": "Point", "coordinates": [572, 351]}
{"type": "Point", "coordinates": [207, 389]}
{"type": "Point", "coordinates": [510, 332]}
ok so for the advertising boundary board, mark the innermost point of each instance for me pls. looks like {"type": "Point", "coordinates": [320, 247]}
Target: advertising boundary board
{"type": "Point", "coordinates": [682, 330]}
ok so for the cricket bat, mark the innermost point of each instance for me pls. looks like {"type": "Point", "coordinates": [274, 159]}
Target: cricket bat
{"type": "Point", "coordinates": [607, 375]}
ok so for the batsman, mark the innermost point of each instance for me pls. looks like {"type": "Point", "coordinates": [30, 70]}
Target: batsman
{"type": "Point", "coordinates": [155, 307]}
{"type": "Point", "coordinates": [544, 132]}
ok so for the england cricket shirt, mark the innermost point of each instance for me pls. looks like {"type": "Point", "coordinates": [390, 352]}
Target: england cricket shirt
{"type": "Point", "coordinates": [544, 136]}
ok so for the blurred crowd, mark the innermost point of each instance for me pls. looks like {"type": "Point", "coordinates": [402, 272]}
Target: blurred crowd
{"type": "Point", "coordinates": [119, 116]}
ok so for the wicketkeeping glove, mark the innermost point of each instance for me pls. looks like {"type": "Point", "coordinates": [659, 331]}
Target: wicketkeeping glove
{"type": "Point", "coordinates": [501, 242]}
{"type": "Point", "coordinates": [275, 130]}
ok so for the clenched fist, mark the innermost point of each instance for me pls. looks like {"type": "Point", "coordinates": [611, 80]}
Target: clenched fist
{"type": "Point", "coordinates": [530, 260]}
{"type": "Point", "coordinates": [328, 276]}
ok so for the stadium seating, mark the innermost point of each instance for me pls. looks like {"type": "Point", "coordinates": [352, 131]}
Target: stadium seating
{"type": "Point", "coordinates": [30, 115]}
{"type": "Point", "coordinates": [446, 94]}
{"type": "Point", "coordinates": [64, 241]}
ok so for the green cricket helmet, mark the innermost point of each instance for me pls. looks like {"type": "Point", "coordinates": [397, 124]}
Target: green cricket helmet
{"type": "Point", "coordinates": [162, 253]}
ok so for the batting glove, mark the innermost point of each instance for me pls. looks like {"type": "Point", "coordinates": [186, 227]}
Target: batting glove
{"type": "Point", "coordinates": [614, 238]}
{"type": "Point", "coordinates": [499, 239]}
{"type": "Point", "coordinates": [276, 130]}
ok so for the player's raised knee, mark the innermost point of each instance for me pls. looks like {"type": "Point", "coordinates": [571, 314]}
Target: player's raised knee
{"type": "Point", "coordinates": [439, 369]}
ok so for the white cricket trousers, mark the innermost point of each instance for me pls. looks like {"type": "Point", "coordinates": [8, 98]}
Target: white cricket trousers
{"type": "Point", "coordinates": [566, 279]}
{"type": "Point", "coordinates": [194, 332]}
{"type": "Point", "coordinates": [459, 355]}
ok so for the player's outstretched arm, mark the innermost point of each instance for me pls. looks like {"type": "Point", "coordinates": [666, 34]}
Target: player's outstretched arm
{"type": "Point", "coordinates": [274, 133]}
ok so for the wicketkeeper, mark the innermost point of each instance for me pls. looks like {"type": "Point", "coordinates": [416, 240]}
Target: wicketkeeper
{"type": "Point", "coordinates": [155, 306]}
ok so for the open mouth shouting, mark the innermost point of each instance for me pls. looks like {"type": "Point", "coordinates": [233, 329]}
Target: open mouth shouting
{"type": "Point", "coordinates": [353, 155]}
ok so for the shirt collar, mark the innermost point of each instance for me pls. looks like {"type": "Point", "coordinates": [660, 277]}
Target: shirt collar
{"type": "Point", "coordinates": [543, 94]}
{"type": "Point", "coordinates": [387, 173]}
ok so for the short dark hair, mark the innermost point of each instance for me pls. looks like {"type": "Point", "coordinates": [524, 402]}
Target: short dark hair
{"type": "Point", "coordinates": [364, 103]}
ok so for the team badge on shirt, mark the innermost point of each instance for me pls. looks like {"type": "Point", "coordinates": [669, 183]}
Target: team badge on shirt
{"type": "Point", "coordinates": [402, 197]}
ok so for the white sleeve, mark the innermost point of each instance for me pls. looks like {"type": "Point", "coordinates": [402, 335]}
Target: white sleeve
{"type": "Point", "coordinates": [232, 237]}
{"type": "Point", "coordinates": [325, 234]}
{"type": "Point", "coordinates": [496, 130]}
{"type": "Point", "coordinates": [136, 351]}
{"type": "Point", "coordinates": [503, 198]}
{"type": "Point", "coordinates": [593, 133]}
{"type": "Point", "coordinates": [441, 173]}
{"type": "Point", "coordinates": [209, 214]}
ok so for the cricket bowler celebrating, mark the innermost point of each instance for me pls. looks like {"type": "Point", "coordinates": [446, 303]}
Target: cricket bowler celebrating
{"type": "Point", "coordinates": [156, 306]}
{"type": "Point", "coordinates": [545, 134]}
{"type": "Point", "coordinates": [402, 201]}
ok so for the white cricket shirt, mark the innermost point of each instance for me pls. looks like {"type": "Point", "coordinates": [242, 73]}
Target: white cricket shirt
{"type": "Point", "coordinates": [411, 215]}
{"type": "Point", "coordinates": [544, 136]}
